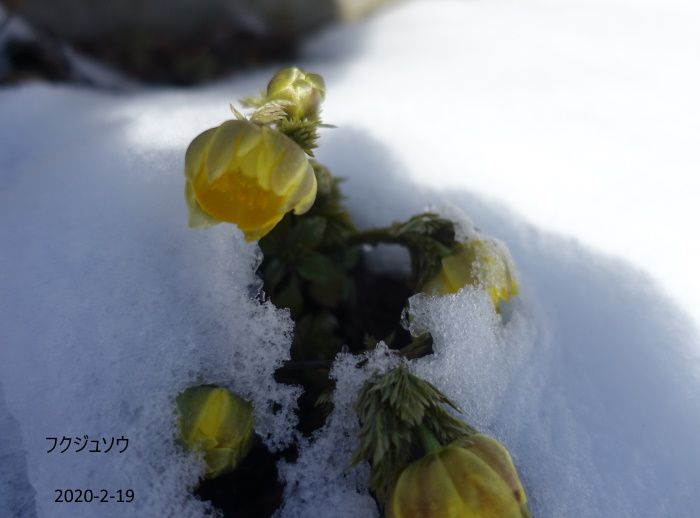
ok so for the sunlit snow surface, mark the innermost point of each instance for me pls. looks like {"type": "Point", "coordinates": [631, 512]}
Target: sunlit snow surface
{"type": "Point", "coordinates": [579, 116]}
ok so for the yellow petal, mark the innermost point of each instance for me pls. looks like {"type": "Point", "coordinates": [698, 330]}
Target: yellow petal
{"type": "Point", "coordinates": [498, 458]}
{"type": "Point", "coordinates": [483, 263]}
{"type": "Point", "coordinates": [221, 147]}
{"type": "Point", "coordinates": [451, 483]}
{"type": "Point", "coordinates": [438, 285]}
{"type": "Point", "coordinates": [238, 199]}
{"type": "Point", "coordinates": [291, 167]}
{"type": "Point", "coordinates": [457, 270]}
{"type": "Point", "coordinates": [247, 175]}
{"type": "Point", "coordinates": [250, 139]}
{"type": "Point", "coordinates": [270, 157]}
{"type": "Point", "coordinates": [256, 233]}
{"type": "Point", "coordinates": [197, 217]}
{"type": "Point", "coordinates": [197, 152]}
{"type": "Point", "coordinates": [306, 192]}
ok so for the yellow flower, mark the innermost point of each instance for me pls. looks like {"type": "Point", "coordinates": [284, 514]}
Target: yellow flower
{"type": "Point", "coordinates": [497, 457]}
{"type": "Point", "coordinates": [303, 89]}
{"type": "Point", "coordinates": [217, 422]}
{"type": "Point", "coordinates": [247, 175]}
{"type": "Point", "coordinates": [479, 262]}
{"type": "Point", "coordinates": [452, 482]}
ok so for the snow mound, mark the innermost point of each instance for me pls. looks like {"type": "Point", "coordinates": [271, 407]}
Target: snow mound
{"type": "Point", "coordinates": [115, 306]}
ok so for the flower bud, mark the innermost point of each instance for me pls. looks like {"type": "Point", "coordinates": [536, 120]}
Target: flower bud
{"type": "Point", "coordinates": [303, 89]}
{"type": "Point", "coordinates": [497, 457]}
{"type": "Point", "coordinates": [478, 262]}
{"type": "Point", "coordinates": [217, 422]}
{"type": "Point", "coordinates": [452, 482]}
{"type": "Point", "coordinates": [247, 175]}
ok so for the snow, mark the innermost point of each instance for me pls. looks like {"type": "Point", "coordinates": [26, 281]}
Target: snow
{"type": "Point", "coordinates": [115, 306]}
{"type": "Point", "coordinates": [593, 381]}
{"type": "Point", "coordinates": [580, 115]}
{"type": "Point", "coordinates": [564, 129]}
{"type": "Point", "coordinates": [322, 477]}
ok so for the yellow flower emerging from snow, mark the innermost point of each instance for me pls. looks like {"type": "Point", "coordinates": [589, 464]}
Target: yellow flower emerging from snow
{"type": "Point", "coordinates": [247, 175]}
{"type": "Point", "coordinates": [479, 262]}
{"type": "Point", "coordinates": [453, 482]}
{"type": "Point", "coordinates": [217, 422]}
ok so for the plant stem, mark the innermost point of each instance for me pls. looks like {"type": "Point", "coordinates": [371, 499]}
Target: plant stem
{"type": "Point", "coordinates": [307, 364]}
{"type": "Point", "coordinates": [418, 347]}
{"type": "Point", "coordinates": [428, 440]}
{"type": "Point", "coordinates": [374, 236]}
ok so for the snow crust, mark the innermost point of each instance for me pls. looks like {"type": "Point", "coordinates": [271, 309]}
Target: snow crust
{"type": "Point", "coordinates": [110, 306]}
{"type": "Point", "coordinates": [322, 478]}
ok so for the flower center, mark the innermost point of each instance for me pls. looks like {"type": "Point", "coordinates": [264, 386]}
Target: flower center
{"type": "Point", "coordinates": [238, 199]}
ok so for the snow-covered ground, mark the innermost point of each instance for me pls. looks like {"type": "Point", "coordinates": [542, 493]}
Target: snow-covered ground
{"type": "Point", "coordinates": [581, 116]}
{"type": "Point", "coordinates": [567, 129]}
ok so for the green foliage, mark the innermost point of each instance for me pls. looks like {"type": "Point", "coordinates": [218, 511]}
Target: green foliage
{"type": "Point", "coordinates": [281, 114]}
{"type": "Point", "coordinates": [308, 267]}
{"type": "Point", "coordinates": [236, 113]}
{"type": "Point", "coordinates": [253, 101]}
{"type": "Point", "coordinates": [428, 238]}
{"type": "Point", "coordinates": [316, 337]}
{"type": "Point", "coordinates": [304, 132]}
{"type": "Point", "coordinates": [391, 408]}
{"type": "Point", "coordinates": [290, 297]}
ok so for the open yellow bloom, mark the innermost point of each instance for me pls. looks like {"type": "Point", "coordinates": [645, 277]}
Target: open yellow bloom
{"type": "Point", "coordinates": [219, 423]}
{"type": "Point", "coordinates": [479, 262]}
{"type": "Point", "coordinates": [247, 175]}
{"type": "Point", "coordinates": [452, 482]}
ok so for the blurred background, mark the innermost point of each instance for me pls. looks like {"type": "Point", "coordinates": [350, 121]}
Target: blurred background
{"type": "Point", "coordinates": [165, 42]}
